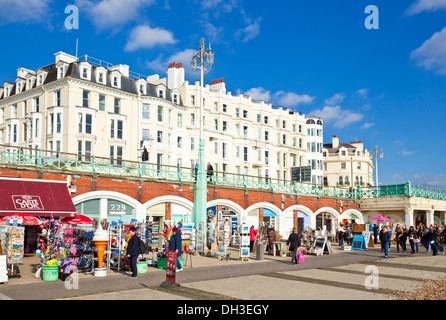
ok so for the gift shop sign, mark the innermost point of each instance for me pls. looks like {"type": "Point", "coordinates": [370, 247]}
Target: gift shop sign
{"type": "Point", "coordinates": [27, 203]}
{"type": "Point", "coordinates": [171, 266]}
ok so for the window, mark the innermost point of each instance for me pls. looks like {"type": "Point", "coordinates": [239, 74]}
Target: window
{"type": "Point", "coordinates": [245, 114]}
{"type": "Point", "coordinates": [116, 129]}
{"type": "Point", "coordinates": [346, 180]}
{"type": "Point", "coordinates": [245, 131]}
{"type": "Point", "coordinates": [300, 128]}
{"type": "Point", "coordinates": [225, 108]}
{"type": "Point", "coordinates": [245, 153]}
{"type": "Point", "coordinates": [58, 123]}
{"type": "Point", "coordinates": [192, 119]}
{"type": "Point", "coordinates": [87, 150]}
{"type": "Point", "coordinates": [161, 94]}
{"type": "Point", "coordinates": [14, 111]}
{"type": "Point", "coordinates": [343, 152]}
{"type": "Point", "coordinates": [101, 77]}
{"type": "Point", "coordinates": [14, 133]}
{"type": "Point", "coordinates": [84, 126]}
{"type": "Point", "coordinates": [37, 129]}
{"type": "Point", "coordinates": [300, 143]}
{"type": "Point", "coordinates": [116, 153]}
{"type": "Point", "coordinates": [115, 81]}
{"type": "Point", "coordinates": [343, 165]}
{"type": "Point", "coordinates": [216, 147]}
{"type": "Point", "coordinates": [237, 112]}
{"type": "Point", "coordinates": [266, 135]}
{"type": "Point", "coordinates": [192, 100]}
{"type": "Point", "coordinates": [284, 124]}
{"type": "Point", "coordinates": [192, 144]}
{"type": "Point", "coordinates": [84, 73]}
{"type": "Point", "coordinates": [58, 98]}
{"type": "Point", "coordinates": [216, 106]}
{"type": "Point", "coordinates": [284, 139]}
{"type": "Point", "coordinates": [117, 105]}
{"type": "Point", "coordinates": [224, 125]}
{"type": "Point", "coordinates": [179, 142]}
{"type": "Point", "coordinates": [216, 124]}
{"type": "Point", "coordinates": [294, 127]}
{"type": "Point", "coordinates": [237, 151]}
{"type": "Point", "coordinates": [88, 121]}
{"type": "Point", "coordinates": [175, 98]}
{"type": "Point", "coordinates": [101, 102]}
{"type": "Point", "coordinates": [145, 134]}
{"type": "Point", "coordinates": [36, 104]}
{"type": "Point", "coordinates": [359, 166]}
{"type": "Point", "coordinates": [223, 150]}
{"type": "Point", "coordinates": [258, 118]}
{"type": "Point", "coordinates": [60, 75]}
{"type": "Point", "coordinates": [159, 136]}
{"type": "Point", "coordinates": [79, 150]}
{"type": "Point", "coordinates": [85, 99]}
{"type": "Point", "coordinates": [266, 157]}
{"type": "Point", "coordinates": [180, 120]}
{"type": "Point", "coordinates": [265, 119]}
{"type": "Point", "coordinates": [50, 123]}
{"type": "Point", "coordinates": [340, 180]}
{"type": "Point", "coordinates": [160, 113]}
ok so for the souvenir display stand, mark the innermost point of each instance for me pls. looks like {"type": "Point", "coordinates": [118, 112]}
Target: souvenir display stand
{"type": "Point", "coordinates": [12, 245]}
{"type": "Point", "coordinates": [188, 241]}
{"type": "Point", "coordinates": [152, 236]}
{"type": "Point", "coordinates": [116, 245]}
{"type": "Point", "coordinates": [3, 269]}
{"type": "Point", "coordinates": [79, 250]}
{"type": "Point", "coordinates": [244, 242]}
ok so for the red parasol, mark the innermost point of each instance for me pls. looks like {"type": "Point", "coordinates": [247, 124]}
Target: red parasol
{"type": "Point", "coordinates": [23, 218]}
{"type": "Point", "coordinates": [77, 219]}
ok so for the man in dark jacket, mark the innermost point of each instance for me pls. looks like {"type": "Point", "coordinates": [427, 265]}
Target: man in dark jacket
{"type": "Point", "coordinates": [375, 234]}
{"type": "Point", "coordinates": [385, 238]}
{"type": "Point", "coordinates": [133, 251]}
{"type": "Point", "coordinates": [294, 244]}
{"type": "Point", "coordinates": [175, 244]}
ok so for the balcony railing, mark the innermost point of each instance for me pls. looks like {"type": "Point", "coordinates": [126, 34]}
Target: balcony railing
{"type": "Point", "coordinates": [17, 156]}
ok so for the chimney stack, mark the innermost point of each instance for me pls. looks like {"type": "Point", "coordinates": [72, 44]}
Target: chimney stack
{"type": "Point", "coordinates": [335, 142]}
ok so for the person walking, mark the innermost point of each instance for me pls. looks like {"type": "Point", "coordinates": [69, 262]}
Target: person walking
{"type": "Point", "coordinates": [349, 235]}
{"type": "Point", "coordinates": [375, 234]}
{"type": "Point", "coordinates": [386, 237]}
{"type": "Point", "coordinates": [175, 244]}
{"type": "Point", "coordinates": [436, 241]}
{"type": "Point", "coordinates": [398, 233]}
{"type": "Point", "coordinates": [412, 235]}
{"type": "Point", "coordinates": [428, 238]}
{"type": "Point", "coordinates": [403, 238]}
{"type": "Point", "coordinates": [381, 233]}
{"type": "Point", "coordinates": [442, 239]}
{"type": "Point", "coordinates": [341, 236]}
{"type": "Point", "coordinates": [293, 244]}
{"type": "Point", "coordinates": [252, 238]}
{"type": "Point", "coordinates": [210, 172]}
{"type": "Point", "coordinates": [133, 251]}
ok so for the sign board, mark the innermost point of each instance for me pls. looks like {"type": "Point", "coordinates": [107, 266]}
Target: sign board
{"type": "Point", "coordinates": [171, 266]}
{"type": "Point", "coordinates": [359, 242]}
{"type": "Point", "coordinates": [367, 235]}
{"type": "Point", "coordinates": [301, 174]}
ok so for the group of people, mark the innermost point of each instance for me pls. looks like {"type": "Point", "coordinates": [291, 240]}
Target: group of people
{"type": "Point", "coordinates": [432, 238]}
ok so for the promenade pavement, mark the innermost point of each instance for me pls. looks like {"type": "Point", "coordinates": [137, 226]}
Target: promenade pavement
{"type": "Point", "coordinates": [354, 275]}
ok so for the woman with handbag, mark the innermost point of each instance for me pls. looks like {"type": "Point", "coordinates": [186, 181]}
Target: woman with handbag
{"type": "Point", "coordinates": [294, 244]}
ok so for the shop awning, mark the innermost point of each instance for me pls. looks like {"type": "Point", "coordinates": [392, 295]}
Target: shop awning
{"type": "Point", "coordinates": [41, 198]}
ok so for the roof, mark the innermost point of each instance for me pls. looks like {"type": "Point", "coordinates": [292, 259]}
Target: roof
{"type": "Point", "coordinates": [329, 147]}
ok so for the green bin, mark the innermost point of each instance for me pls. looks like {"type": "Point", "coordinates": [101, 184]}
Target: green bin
{"type": "Point", "coordinates": [141, 266]}
{"type": "Point", "coordinates": [163, 261]}
{"type": "Point", "coordinates": [50, 273]}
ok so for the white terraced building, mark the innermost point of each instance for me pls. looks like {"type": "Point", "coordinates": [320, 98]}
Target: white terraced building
{"type": "Point", "coordinates": [87, 107]}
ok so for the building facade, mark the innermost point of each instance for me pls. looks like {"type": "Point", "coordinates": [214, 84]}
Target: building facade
{"type": "Point", "coordinates": [85, 108]}
{"type": "Point", "coordinates": [347, 165]}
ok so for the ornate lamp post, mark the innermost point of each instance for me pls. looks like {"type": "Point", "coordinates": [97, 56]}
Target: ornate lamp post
{"type": "Point", "coordinates": [200, 192]}
{"type": "Point", "coordinates": [377, 154]}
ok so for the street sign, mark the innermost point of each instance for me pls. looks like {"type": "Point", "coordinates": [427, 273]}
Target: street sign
{"type": "Point", "coordinates": [171, 266]}
{"type": "Point", "coordinates": [301, 174]}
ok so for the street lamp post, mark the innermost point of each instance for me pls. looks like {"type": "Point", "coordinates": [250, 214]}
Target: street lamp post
{"type": "Point", "coordinates": [377, 154]}
{"type": "Point", "coordinates": [200, 191]}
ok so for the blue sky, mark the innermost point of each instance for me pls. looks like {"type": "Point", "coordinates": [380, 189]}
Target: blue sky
{"type": "Point", "coordinates": [383, 86]}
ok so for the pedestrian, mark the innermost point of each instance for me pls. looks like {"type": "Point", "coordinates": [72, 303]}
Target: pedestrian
{"type": "Point", "coordinates": [349, 235]}
{"type": "Point", "coordinates": [442, 239]}
{"type": "Point", "coordinates": [403, 237]}
{"type": "Point", "coordinates": [386, 237]}
{"type": "Point", "coordinates": [210, 171]}
{"type": "Point", "coordinates": [381, 235]}
{"type": "Point", "coordinates": [375, 234]}
{"type": "Point", "coordinates": [133, 251]}
{"type": "Point", "coordinates": [175, 244]}
{"type": "Point", "coordinates": [398, 233]}
{"type": "Point", "coordinates": [341, 236]}
{"type": "Point", "coordinates": [436, 241]}
{"type": "Point", "coordinates": [428, 238]}
{"type": "Point", "coordinates": [293, 244]}
{"type": "Point", "coordinates": [196, 170]}
{"type": "Point", "coordinates": [412, 235]}
{"type": "Point", "coordinates": [252, 238]}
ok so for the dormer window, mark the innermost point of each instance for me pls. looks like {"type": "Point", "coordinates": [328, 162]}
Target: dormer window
{"type": "Point", "coordinates": [175, 98]}
{"type": "Point", "coordinates": [40, 82]}
{"type": "Point", "coordinates": [60, 72]}
{"type": "Point", "coordinates": [85, 73]}
{"type": "Point", "coordinates": [7, 92]}
{"type": "Point", "coordinates": [161, 94]}
{"type": "Point", "coordinates": [85, 70]}
{"type": "Point", "coordinates": [101, 77]}
{"type": "Point", "coordinates": [115, 81]}
{"type": "Point", "coordinates": [19, 87]}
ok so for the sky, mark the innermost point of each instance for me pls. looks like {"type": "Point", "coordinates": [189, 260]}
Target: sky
{"type": "Point", "coordinates": [375, 74]}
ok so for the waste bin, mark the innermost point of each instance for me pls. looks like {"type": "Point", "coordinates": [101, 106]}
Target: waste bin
{"type": "Point", "coordinates": [260, 251]}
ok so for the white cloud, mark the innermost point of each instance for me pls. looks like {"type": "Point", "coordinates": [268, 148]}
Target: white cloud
{"type": "Point", "coordinates": [408, 153]}
{"type": "Point", "coordinates": [160, 64]}
{"type": "Point", "coordinates": [106, 14]}
{"type": "Point", "coordinates": [433, 181]}
{"type": "Point", "coordinates": [335, 100]}
{"type": "Point", "coordinates": [363, 92]}
{"type": "Point", "coordinates": [145, 37]}
{"type": "Point", "coordinates": [280, 98]}
{"type": "Point", "coordinates": [398, 142]}
{"type": "Point", "coordinates": [432, 53]}
{"type": "Point", "coordinates": [24, 11]}
{"type": "Point", "coordinates": [251, 31]}
{"type": "Point", "coordinates": [425, 5]}
{"type": "Point", "coordinates": [367, 125]}
{"type": "Point", "coordinates": [338, 116]}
